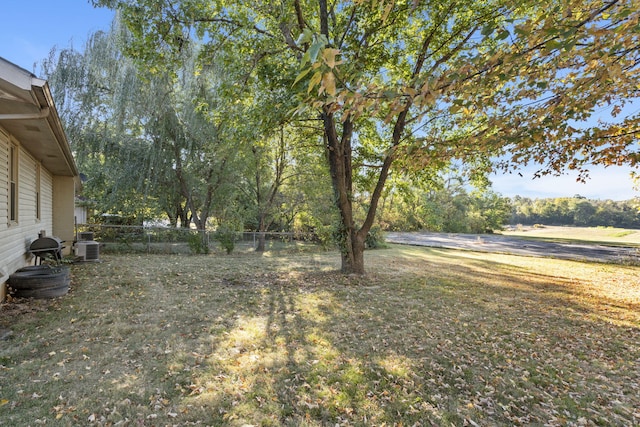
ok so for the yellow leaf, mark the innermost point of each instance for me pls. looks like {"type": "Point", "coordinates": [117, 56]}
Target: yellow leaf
{"type": "Point", "coordinates": [315, 79]}
{"type": "Point", "coordinates": [329, 57]}
{"type": "Point", "coordinates": [3, 402]}
{"type": "Point", "coordinates": [329, 83]}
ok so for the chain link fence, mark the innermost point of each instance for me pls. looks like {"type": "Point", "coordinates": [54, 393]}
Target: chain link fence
{"type": "Point", "coordinates": [167, 240]}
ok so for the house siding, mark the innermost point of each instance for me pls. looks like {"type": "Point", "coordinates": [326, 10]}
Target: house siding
{"type": "Point", "coordinates": [46, 199]}
{"type": "Point", "coordinates": [16, 236]}
{"type": "Point", "coordinates": [4, 180]}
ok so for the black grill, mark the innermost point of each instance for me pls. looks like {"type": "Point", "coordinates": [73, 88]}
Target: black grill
{"type": "Point", "coordinates": [47, 247]}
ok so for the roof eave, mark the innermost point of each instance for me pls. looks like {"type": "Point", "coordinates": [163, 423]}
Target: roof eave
{"type": "Point", "coordinates": [28, 112]}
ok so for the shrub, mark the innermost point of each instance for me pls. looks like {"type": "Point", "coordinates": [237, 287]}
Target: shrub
{"type": "Point", "coordinates": [198, 243]}
{"type": "Point", "coordinates": [226, 237]}
{"type": "Point", "coordinates": [375, 239]}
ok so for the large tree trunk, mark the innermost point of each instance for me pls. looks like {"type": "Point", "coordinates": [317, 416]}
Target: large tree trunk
{"type": "Point", "coordinates": [262, 228]}
{"type": "Point", "coordinates": [353, 255]}
{"type": "Point", "coordinates": [351, 239]}
{"type": "Point", "coordinates": [262, 242]}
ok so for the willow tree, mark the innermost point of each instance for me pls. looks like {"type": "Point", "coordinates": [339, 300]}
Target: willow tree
{"type": "Point", "coordinates": [96, 91]}
{"type": "Point", "coordinates": [144, 140]}
{"type": "Point", "coordinates": [473, 80]}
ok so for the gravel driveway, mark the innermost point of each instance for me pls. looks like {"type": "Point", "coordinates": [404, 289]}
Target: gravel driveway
{"type": "Point", "coordinates": [513, 245]}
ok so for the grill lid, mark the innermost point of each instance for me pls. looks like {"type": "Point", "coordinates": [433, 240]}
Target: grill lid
{"type": "Point", "coordinates": [46, 243]}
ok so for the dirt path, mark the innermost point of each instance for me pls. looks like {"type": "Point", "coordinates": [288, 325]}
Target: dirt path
{"type": "Point", "coordinates": [514, 245]}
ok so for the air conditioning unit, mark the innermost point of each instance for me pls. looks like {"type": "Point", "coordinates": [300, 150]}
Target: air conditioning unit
{"type": "Point", "coordinates": [88, 250]}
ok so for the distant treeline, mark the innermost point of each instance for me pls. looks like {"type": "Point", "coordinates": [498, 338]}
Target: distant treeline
{"type": "Point", "coordinates": [577, 211]}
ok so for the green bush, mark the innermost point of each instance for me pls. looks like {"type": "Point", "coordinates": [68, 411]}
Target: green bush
{"type": "Point", "coordinates": [198, 243]}
{"type": "Point", "coordinates": [375, 239]}
{"type": "Point", "coordinates": [226, 237]}
{"type": "Point", "coordinates": [324, 236]}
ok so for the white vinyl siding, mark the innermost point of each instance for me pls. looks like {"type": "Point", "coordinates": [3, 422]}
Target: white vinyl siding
{"type": "Point", "coordinates": [4, 180]}
{"type": "Point", "coordinates": [26, 191]}
{"type": "Point", "coordinates": [46, 199]}
{"type": "Point", "coordinates": [14, 173]}
{"type": "Point", "coordinates": [37, 189]}
{"type": "Point", "coordinates": [15, 236]}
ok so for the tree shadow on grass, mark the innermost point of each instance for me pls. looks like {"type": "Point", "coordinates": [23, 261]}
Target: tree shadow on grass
{"type": "Point", "coordinates": [459, 348]}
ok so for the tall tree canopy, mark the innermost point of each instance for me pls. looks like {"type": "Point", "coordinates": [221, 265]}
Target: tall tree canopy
{"type": "Point", "coordinates": [436, 80]}
{"type": "Point", "coordinates": [149, 143]}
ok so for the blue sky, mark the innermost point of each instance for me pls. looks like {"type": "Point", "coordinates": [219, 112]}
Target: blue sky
{"type": "Point", "coordinates": [31, 29]}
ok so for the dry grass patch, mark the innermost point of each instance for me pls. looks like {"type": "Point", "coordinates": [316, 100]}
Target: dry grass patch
{"type": "Point", "coordinates": [428, 337]}
{"type": "Point", "coordinates": [602, 235]}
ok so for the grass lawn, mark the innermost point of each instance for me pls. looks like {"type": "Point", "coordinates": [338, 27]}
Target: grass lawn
{"type": "Point", "coordinates": [429, 337]}
{"type": "Point", "coordinates": [602, 235]}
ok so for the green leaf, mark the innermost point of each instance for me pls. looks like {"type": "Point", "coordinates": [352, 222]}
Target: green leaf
{"type": "Point", "coordinates": [305, 37]}
{"type": "Point", "coordinates": [553, 45]}
{"type": "Point", "coordinates": [487, 30]}
{"type": "Point", "coordinates": [314, 50]}
{"type": "Point", "coordinates": [301, 75]}
{"type": "Point", "coordinates": [502, 35]}
{"type": "Point", "coordinates": [305, 59]}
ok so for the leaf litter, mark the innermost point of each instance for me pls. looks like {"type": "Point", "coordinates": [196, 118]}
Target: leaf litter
{"type": "Point", "coordinates": [427, 337]}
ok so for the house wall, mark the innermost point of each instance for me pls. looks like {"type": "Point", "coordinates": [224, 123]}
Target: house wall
{"type": "Point", "coordinates": [63, 210]}
{"type": "Point", "coordinates": [16, 236]}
